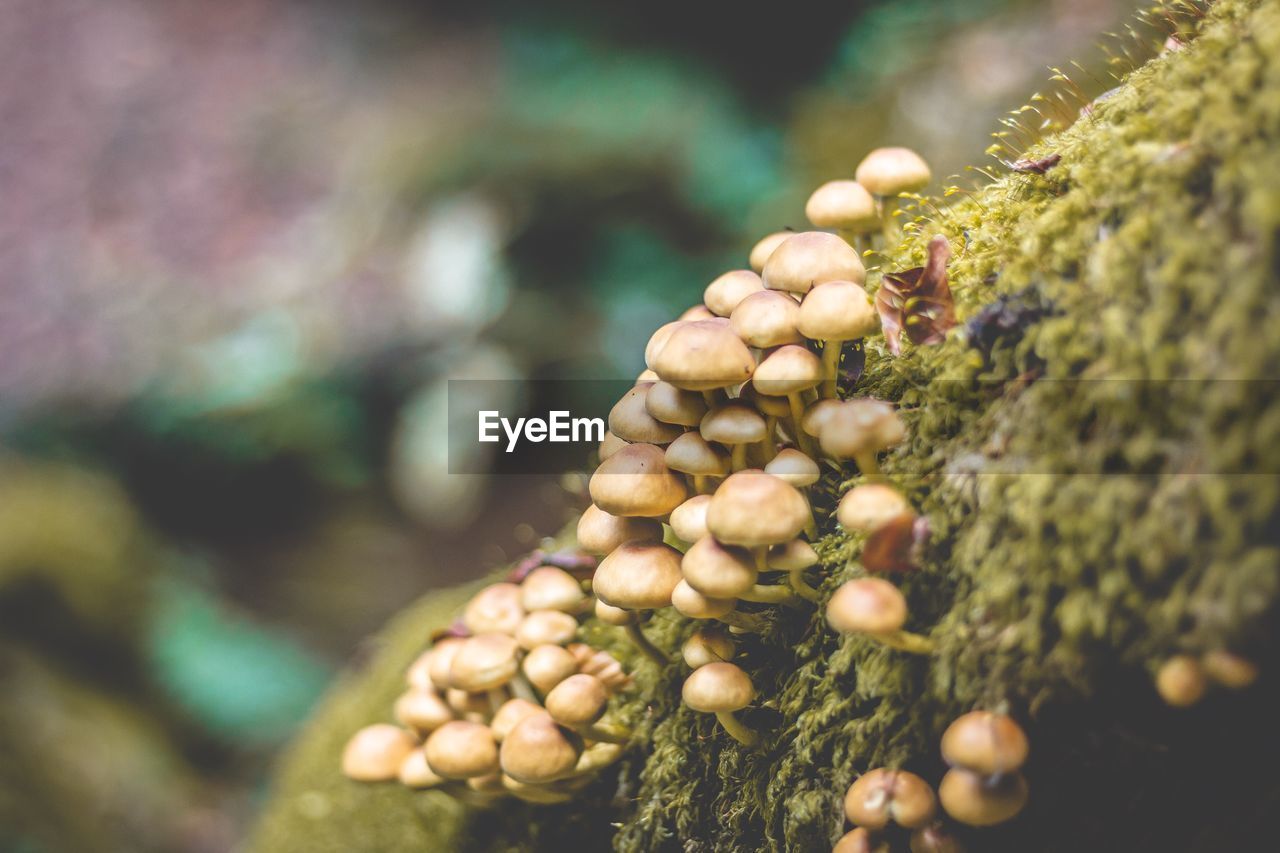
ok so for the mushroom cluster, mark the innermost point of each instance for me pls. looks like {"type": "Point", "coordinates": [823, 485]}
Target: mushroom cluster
{"type": "Point", "coordinates": [507, 703]}
{"type": "Point", "coordinates": [884, 804]}
{"type": "Point", "coordinates": [1183, 679]}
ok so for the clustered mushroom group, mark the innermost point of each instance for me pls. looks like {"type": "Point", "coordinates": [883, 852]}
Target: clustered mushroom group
{"type": "Point", "coordinates": [509, 702]}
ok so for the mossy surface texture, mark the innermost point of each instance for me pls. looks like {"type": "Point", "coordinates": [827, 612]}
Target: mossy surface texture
{"type": "Point", "coordinates": [1089, 518]}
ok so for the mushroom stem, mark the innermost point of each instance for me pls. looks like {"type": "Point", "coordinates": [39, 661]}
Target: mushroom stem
{"type": "Point", "coordinates": [868, 465]}
{"type": "Point", "coordinates": [905, 641]}
{"type": "Point", "coordinates": [752, 623]}
{"type": "Point", "coordinates": [605, 734]}
{"type": "Point", "coordinates": [734, 727]}
{"type": "Point", "coordinates": [801, 587]}
{"type": "Point", "coordinates": [738, 457]}
{"type": "Point", "coordinates": [768, 448]}
{"type": "Point", "coordinates": [597, 756]}
{"type": "Point", "coordinates": [830, 367]}
{"type": "Point", "coordinates": [797, 415]}
{"type": "Point", "coordinates": [646, 647]}
{"type": "Point", "coordinates": [760, 594]}
{"type": "Point", "coordinates": [522, 689]}
{"type": "Point", "coordinates": [811, 529]}
{"type": "Point", "coordinates": [700, 484]}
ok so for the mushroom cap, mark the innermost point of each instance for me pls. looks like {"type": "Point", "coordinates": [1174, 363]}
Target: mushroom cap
{"type": "Point", "coordinates": [858, 426]}
{"type": "Point", "coordinates": [859, 840]}
{"type": "Point", "coordinates": [837, 311]}
{"type": "Point", "coordinates": [599, 532]}
{"type": "Point", "coordinates": [579, 700]}
{"type": "Point", "coordinates": [868, 507]}
{"type": "Point", "coordinates": [753, 508]}
{"type": "Point", "coordinates": [1229, 669]}
{"type": "Point", "coordinates": [638, 576]}
{"type": "Point", "coordinates": [414, 772]}
{"type": "Point", "coordinates": [794, 468]}
{"type": "Point", "coordinates": [510, 714]}
{"type": "Point", "coordinates": [629, 419]}
{"type": "Point", "coordinates": [764, 247]}
{"type": "Point", "coordinates": [811, 258]}
{"type": "Point", "coordinates": [985, 742]}
{"type": "Point", "coordinates": [867, 606]}
{"type": "Point", "coordinates": [548, 665]}
{"type": "Point", "coordinates": [697, 312]}
{"type": "Point", "coordinates": [494, 609]}
{"type": "Point", "coordinates": [422, 710]}
{"type": "Point", "coordinates": [724, 294]}
{"type": "Point", "coordinates": [982, 801]}
{"type": "Point", "coordinates": [671, 405]}
{"type": "Point", "coordinates": [767, 319]}
{"type": "Point", "coordinates": [374, 753]}
{"type": "Point", "coordinates": [775, 407]}
{"type": "Point", "coordinates": [468, 704]}
{"type": "Point", "coordinates": [718, 687]}
{"type": "Point", "coordinates": [843, 205]}
{"type": "Point", "coordinates": [792, 556]}
{"type": "Point", "coordinates": [537, 750]}
{"type": "Point", "coordinates": [419, 672]}
{"type": "Point", "coordinates": [718, 571]}
{"type": "Point", "coordinates": [461, 750]}
{"type": "Point", "coordinates": [442, 659]}
{"type": "Point", "coordinates": [485, 662]}
{"type": "Point", "coordinates": [542, 627]}
{"type": "Point", "coordinates": [646, 375]}
{"type": "Point", "coordinates": [734, 423]}
{"type": "Point", "coordinates": [893, 170]}
{"type": "Point", "coordinates": [707, 645]}
{"type": "Point", "coordinates": [544, 795]}
{"type": "Point", "coordinates": [1181, 681]}
{"type": "Point", "coordinates": [789, 369]}
{"type": "Point", "coordinates": [658, 340]}
{"type": "Point", "coordinates": [689, 602]}
{"type": "Point", "coordinates": [635, 481]}
{"type": "Point", "coordinates": [609, 445]}
{"type": "Point", "coordinates": [935, 839]}
{"type": "Point", "coordinates": [610, 615]}
{"type": "Point", "coordinates": [816, 415]}
{"type": "Point", "coordinates": [689, 520]}
{"type": "Point", "coordinates": [693, 454]}
{"type": "Point", "coordinates": [551, 588]}
{"type": "Point", "coordinates": [882, 796]}
{"type": "Point", "coordinates": [704, 355]}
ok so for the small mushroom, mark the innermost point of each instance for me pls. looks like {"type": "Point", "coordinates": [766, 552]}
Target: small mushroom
{"type": "Point", "coordinates": [761, 251]}
{"type": "Point", "coordinates": [543, 627]}
{"type": "Point", "coordinates": [462, 750]}
{"type": "Point", "coordinates": [810, 258]}
{"type": "Point", "coordinates": [704, 356]}
{"type": "Point", "coordinates": [793, 467]}
{"type": "Point", "coordinates": [689, 520]}
{"type": "Point", "coordinates": [579, 702]}
{"type": "Point", "coordinates": [485, 662]}
{"type": "Point", "coordinates": [835, 312]}
{"type": "Point", "coordinates": [794, 558]}
{"type": "Point", "coordinates": [1181, 681]}
{"type": "Point", "coordinates": [442, 659]}
{"type": "Point", "coordinates": [982, 800]}
{"type": "Point", "coordinates": [868, 507]}
{"type": "Point", "coordinates": [860, 840]}
{"type": "Point", "coordinates": [551, 588]}
{"type": "Point", "coordinates": [788, 372]}
{"type": "Point", "coordinates": [599, 532]}
{"type": "Point", "coordinates": [877, 609]}
{"type": "Point", "coordinates": [538, 750]}
{"type": "Point", "coordinates": [719, 571]}
{"type": "Point", "coordinates": [724, 294]}
{"type": "Point", "coordinates": [845, 206]}
{"type": "Point", "coordinates": [422, 710]}
{"type": "Point", "coordinates": [375, 753]}
{"type": "Point", "coordinates": [722, 689]}
{"type": "Point", "coordinates": [629, 419]}
{"type": "Point", "coordinates": [671, 405]}
{"type": "Point", "coordinates": [609, 445]}
{"type": "Point", "coordinates": [1228, 669]}
{"type": "Point", "coordinates": [635, 481]}
{"type": "Point", "coordinates": [689, 602]}
{"type": "Point", "coordinates": [986, 743]}
{"type": "Point", "coordinates": [882, 796]}
{"type": "Point", "coordinates": [415, 773]}
{"type": "Point", "coordinates": [693, 455]}
{"type": "Point", "coordinates": [697, 312]}
{"type": "Point", "coordinates": [616, 616]}
{"type": "Point", "coordinates": [767, 319]}
{"type": "Point", "coordinates": [737, 426]}
{"type": "Point", "coordinates": [510, 714]}
{"type": "Point", "coordinates": [886, 172]}
{"type": "Point", "coordinates": [548, 665]}
{"type": "Point", "coordinates": [494, 609]}
{"type": "Point", "coordinates": [755, 509]}
{"type": "Point", "coordinates": [935, 839]}
{"type": "Point", "coordinates": [639, 576]}
{"type": "Point", "coordinates": [707, 645]}
{"type": "Point", "coordinates": [860, 429]}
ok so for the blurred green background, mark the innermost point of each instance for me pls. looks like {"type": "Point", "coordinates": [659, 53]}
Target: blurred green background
{"type": "Point", "coordinates": [244, 245]}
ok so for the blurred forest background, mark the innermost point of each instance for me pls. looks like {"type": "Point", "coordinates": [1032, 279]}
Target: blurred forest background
{"type": "Point", "coordinates": [244, 244]}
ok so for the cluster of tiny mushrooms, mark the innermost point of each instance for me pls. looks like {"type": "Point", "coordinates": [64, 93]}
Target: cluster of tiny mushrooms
{"type": "Point", "coordinates": [734, 418]}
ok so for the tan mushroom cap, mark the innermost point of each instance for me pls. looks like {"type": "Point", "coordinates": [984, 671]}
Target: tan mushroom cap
{"type": "Point", "coordinates": [671, 405]}
{"type": "Point", "coordinates": [859, 426]}
{"type": "Point", "coordinates": [610, 615]}
{"type": "Point", "coordinates": [422, 710]}
{"type": "Point", "coordinates": [374, 753]}
{"type": "Point", "coordinates": [844, 205]}
{"type": "Point", "coordinates": [880, 797]}
{"type": "Point", "coordinates": [609, 445]}
{"type": "Point", "coordinates": [646, 375]}
{"type": "Point", "coordinates": [811, 258]}
{"type": "Point", "coordinates": [718, 687]}
{"type": "Point", "coordinates": [551, 588]}
{"type": "Point", "coordinates": [579, 700]}
{"type": "Point", "coordinates": [629, 419]}
{"type": "Point", "coordinates": [793, 467]}
{"type": "Point", "coordinates": [1229, 669]}
{"type": "Point", "coordinates": [870, 506]}
{"type": "Point", "coordinates": [704, 355]}
{"type": "Point", "coordinates": [893, 170]}
{"type": "Point", "coordinates": [986, 743]}
{"type": "Point", "coordinates": [538, 750]}
{"type": "Point", "coordinates": [982, 801]}
{"type": "Point", "coordinates": [548, 665]}
{"type": "Point", "coordinates": [707, 645]}
{"type": "Point", "coordinates": [935, 838]}
{"type": "Point", "coordinates": [775, 407]}
{"type": "Point", "coordinates": [1181, 681]}
{"type": "Point", "coordinates": [767, 319]}
{"type": "Point", "coordinates": [724, 294]}
{"type": "Point", "coordinates": [416, 773]}
{"type": "Point", "coordinates": [442, 659]}
{"type": "Point", "coordinates": [635, 481]}
{"type": "Point", "coordinates": [697, 312]}
{"type": "Point", "coordinates": [689, 602]}
{"type": "Point", "coordinates": [816, 415]}
{"type": "Point", "coordinates": [485, 662]}
{"type": "Point", "coordinates": [859, 840]}
{"type": "Point", "coordinates": [867, 606]}
{"type": "Point", "coordinates": [462, 750]}
{"type": "Point", "coordinates": [753, 508]}
{"type": "Point", "coordinates": [837, 311]}
{"type": "Point", "coordinates": [542, 627]}
{"type": "Point", "coordinates": [788, 370]}
{"type": "Point", "coordinates": [510, 714]}
{"type": "Point", "coordinates": [693, 454]}
{"type": "Point", "coordinates": [689, 520]}
{"type": "Point", "coordinates": [469, 705]}
{"type": "Point", "coordinates": [599, 532]}
{"type": "Point", "coordinates": [494, 609]}
{"type": "Point", "coordinates": [418, 675]}
{"type": "Point", "coordinates": [792, 556]}
{"type": "Point", "coordinates": [734, 423]}
{"type": "Point", "coordinates": [542, 794]}
{"type": "Point", "coordinates": [658, 340]}
{"type": "Point", "coordinates": [638, 576]}
{"type": "Point", "coordinates": [765, 247]}
{"type": "Point", "coordinates": [719, 571]}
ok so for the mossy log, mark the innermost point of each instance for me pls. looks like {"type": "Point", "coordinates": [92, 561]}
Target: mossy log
{"type": "Point", "coordinates": [1097, 458]}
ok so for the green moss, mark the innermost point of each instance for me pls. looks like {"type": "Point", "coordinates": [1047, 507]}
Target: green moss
{"type": "Point", "coordinates": [1085, 524]}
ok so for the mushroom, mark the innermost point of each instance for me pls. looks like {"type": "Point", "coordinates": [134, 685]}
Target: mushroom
{"type": "Point", "coordinates": [414, 772]}
{"type": "Point", "coordinates": [707, 645]}
{"type": "Point", "coordinates": [719, 571]}
{"type": "Point", "coordinates": [538, 750]}
{"type": "Point", "coordinates": [773, 409]}
{"type": "Point", "coordinates": [761, 251]}
{"type": "Point", "coordinates": [794, 558]}
{"type": "Point", "coordinates": [609, 445]}
{"type": "Point", "coordinates": [375, 753]}
{"type": "Point", "coordinates": [543, 627]}
{"type": "Point", "coordinates": [767, 319]}
{"type": "Point", "coordinates": [671, 405]}
{"type": "Point", "coordinates": [810, 258]}
{"type": "Point", "coordinates": [689, 602]}
{"type": "Point", "coordinates": [1181, 681]}
{"type": "Point", "coordinates": [877, 609]}
{"type": "Point", "coordinates": [868, 507]}
{"type": "Point", "coordinates": [579, 702]}
{"type": "Point", "coordinates": [599, 532]}
{"type": "Point", "coordinates": [418, 675]}
{"type": "Point", "coordinates": [845, 206]}
{"type": "Point", "coordinates": [610, 615]}
{"type": "Point", "coordinates": [639, 576]}
{"type": "Point", "coordinates": [1228, 669]}
{"type": "Point", "coordinates": [551, 588]}
{"type": "Point", "coordinates": [548, 665]}
{"type": "Point", "coordinates": [546, 794]}
{"type": "Point", "coordinates": [475, 707]}
{"type": "Point", "coordinates": [704, 356]}
{"type": "Point", "coordinates": [757, 510]}
{"type": "Point", "coordinates": [721, 689]}
{"type": "Point", "coordinates": [859, 840]}
{"type": "Point", "coordinates": [986, 743]}
{"type": "Point", "coordinates": [736, 426]}
{"type": "Point", "coordinates": [635, 481]}
{"type": "Point", "coordinates": [462, 750]}
{"type": "Point", "coordinates": [793, 467]}
{"type": "Point", "coordinates": [788, 372]}
{"type": "Point", "coordinates": [484, 662]}
{"type": "Point", "coordinates": [882, 796]}
{"type": "Point", "coordinates": [689, 520]}
{"type": "Point", "coordinates": [510, 714]}
{"type": "Point", "coordinates": [858, 430]}
{"type": "Point", "coordinates": [494, 609]}
{"type": "Point", "coordinates": [697, 312]}
{"type": "Point", "coordinates": [442, 659]}
{"type": "Point", "coordinates": [886, 172]}
{"type": "Point", "coordinates": [629, 419]}
{"type": "Point", "coordinates": [422, 710]}
{"type": "Point", "coordinates": [658, 340]}
{"type": "Point", "coordinates": [835, 312]}
{"type": "Point", "coordinates": [724, 294]}
{"type": "Point", "coordinates": [935, 839]}
{"type": "Point", "coordinates": [982, 801]}
{"type": "Point", "coordinates": [693, 455]}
